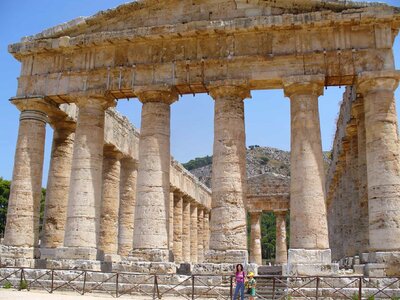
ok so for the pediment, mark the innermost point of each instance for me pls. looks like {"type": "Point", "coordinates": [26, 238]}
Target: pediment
{"type": "Point", "coordinates": [150, 13]}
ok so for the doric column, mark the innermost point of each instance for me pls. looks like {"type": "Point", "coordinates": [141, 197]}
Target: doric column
{"type": "Point", "coordinates": [228, 241]}
{"type": "Point", "coordinates": [171, 221]}
{"type": "Point", "coordinates": [55, 212]}
{"type": "Point", "coordinates": [178, 223]}
{"type": "Point", "coordinates": [150, 238]}
{"type": "Point", "coordinates": [281, 246]}
{"type": "Point", "coordinates": [383, 161]}
{"type": "Point", "coordinates": [22, 227]}
{"type": "Point", "coordinates": [127, 202]}
{"type": "Point", "coordinates": [255, 238]}
{"type": "Point", "coordinates": [108, 239]}
{"type": "Point", "coordinates": [200, 234]}
{"type": "Point", "coordinates": [358, 109]}
{"type": "Point", "coordinates": [206, 240]}
{"type": "Point", "coordinates": [193, 232]}
{"type": "Point", "coordinates": [186, 230]}
{"type": "Point", "coordinates": [84, 199]}
{"type": "Point", "coordinates": [309, 242]}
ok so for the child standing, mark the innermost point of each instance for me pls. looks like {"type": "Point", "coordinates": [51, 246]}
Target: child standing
{"type": "Point", "coordinates": [252, 286]}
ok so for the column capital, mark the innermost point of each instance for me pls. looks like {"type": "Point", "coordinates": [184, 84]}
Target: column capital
{"type": "Point", "coordinates": [110, 151]}
{"type": "Point", "coordinates": [164, 94]}
{"type": "Point", "coordinates": [303, 85]}
{"type": "Point", "coordinates": [357, 108]}
{"type": "Point", "coordinates": [229, 90]}
{"type": "Point", "coordinates": [280, 213]}
{"type": "Point", "coordinates": [351, 127]}
{"type": "Point", "coordinates": [386, 80]}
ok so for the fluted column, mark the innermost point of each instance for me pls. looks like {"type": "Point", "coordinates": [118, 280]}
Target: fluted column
{"type": "Point", "coordinates": [56, 203]}
{"type": "Point", "coordinates": [108, 239]}
{"type": "Point", "coordinates": [228, 241]}
{"type": "Point", "coordinates": [178, 224]}
{"type": "Point", "coordinates": [309, 242]}
{"type": "Point", "coordinates": [193, 232]}
{"type": "Point", "coordinates": [22, 227]}
{"type": "Point", "coordinates": [171, 221]}
{"type": "Point", "coordinates": [186, 230]}
{"type": "Point", "coordinates": [383, 161]}
{"type": "Point", "coordinates": [281, 255]}
{"type": "Point", "coordinates": [200, 234]}
{"type": "Point", "coordinates": [358, 108]}
{"type": "Point", "coordinates": [127, 202]}
{"type": "Point", "coordinates": [150, 237]}
{"type": "Point", "coordinates": [206, 240]}
{"type": "Point", "coordinates": [255, 238]}
{"type": "Point", "coordinates": [84, 199]}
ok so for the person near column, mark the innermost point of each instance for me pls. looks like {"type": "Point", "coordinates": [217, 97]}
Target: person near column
{"type": "Point", "coordinates": [240, 276]}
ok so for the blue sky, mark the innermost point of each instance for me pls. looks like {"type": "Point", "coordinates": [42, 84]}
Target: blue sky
{"type": "Point", "coordinates": [267, 113]}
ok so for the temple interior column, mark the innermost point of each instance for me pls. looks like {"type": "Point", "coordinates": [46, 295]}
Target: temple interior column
{"type": "Point", "coordinates": [383, 163]}
{"type": "Point", "coordinates": [178, 224]}
{"type": "Point", "coordinates": [206, 241]}
{"type": "Point", "coordinates": [281, 255]}
{"type": "Point", "coordinates": [255, 238]}
{"type": "Point", "coordinates": [193, 232]}
{"type": "Point", "coordinates": [108, 239]}
{"type": "Point", "coordinates": [309, 244]}
{"type": "Point", "coordinates": [200, 234]}
{"type": "Point", "coordinates": [171, 220]}
{"type": "Point", "coordinates": [228, 241]}
{"type": "Point", "coordinates": [84, 199]}
{"type": "Point", "coordinates": [151, 230]}
{"type": "Point", "coordinates": [127, 202]}
{"type": "Point", "coordinates": [56, 203]}
{"type": "Point", "coordinates": [186, 256]}
{"type": "Point", "coordinates": [358, 108]}
{"type": "Point", "coordinates": [22, 226]}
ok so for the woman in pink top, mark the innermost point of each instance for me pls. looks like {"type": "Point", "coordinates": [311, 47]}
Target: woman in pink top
{"type": "Point", "coordinates": [240, 276]}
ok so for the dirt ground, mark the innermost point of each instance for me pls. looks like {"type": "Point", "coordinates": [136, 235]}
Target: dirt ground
{"type": "Point", "coordinates": [40, 295]}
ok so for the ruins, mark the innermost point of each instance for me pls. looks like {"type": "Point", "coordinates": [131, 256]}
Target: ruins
{"type": "Point", "coordinates": [115, 197]}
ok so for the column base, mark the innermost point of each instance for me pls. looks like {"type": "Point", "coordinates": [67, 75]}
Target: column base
{"type": "Point", "coordinates": [383, 264]}
{"type": "Point", "coordinates": [305, 262]}
{"type": "Point", "coordinates": [151, 255]}
{"type": "Point", "coordinates": [79, 253]}
{"type": "Point", "coordinates": [13, 252]}
{"type": "Point", "coordinates": [223, 269]}
{"type": "Point", "coordinates": [227, 256]}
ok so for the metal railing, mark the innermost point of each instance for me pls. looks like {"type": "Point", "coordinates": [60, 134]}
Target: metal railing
{"type": "Point", "coordinates": [157, 286]}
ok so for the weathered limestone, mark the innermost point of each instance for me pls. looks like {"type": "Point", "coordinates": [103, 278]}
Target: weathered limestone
{"type": "Point", "coordinates": [193, 233]}
{"type": "Point", "coordinates": [358, 110]}
{"type": "Point", "coordinates": [383, 162]}
{"type": "Point", "coordinates": [84, 200]}
{"type": "Point", "coordinates": [255, 238]}
{"type": "Point", "coordinates": [281, 246]}
{"type": "Point", "coordinates": [309, 244]}
{"type": "Point", "coordinates": [228, 218]}
{"type": "Point", "coordinates": [178, 227]}
{"type": "Point", "coordinates": [56, 203]}
{"type": "Point", "coordinates": [200, 234]}
{"type": "Point", "coordinates": [186, 246]}
{"type": "Point", "coordinates": [22, 227]}
{"type": "Point", "coordinates": [150, 237]}
{"type": "Point", "coordinates": [206, 240]}
{"type": "Point", "coordinates": [171, 219]}
{"type": "Point", "coordinates": [110, 205]}
{"type": "Point", "coordinates": [127, 202]}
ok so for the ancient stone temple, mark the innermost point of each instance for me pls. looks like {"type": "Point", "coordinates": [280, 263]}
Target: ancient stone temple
{"type": "Point", "coordinates": [115, 196]}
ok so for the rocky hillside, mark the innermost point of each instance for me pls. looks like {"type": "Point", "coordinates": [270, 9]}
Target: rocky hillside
{"type": "Point", "coordinates": [260, 160]}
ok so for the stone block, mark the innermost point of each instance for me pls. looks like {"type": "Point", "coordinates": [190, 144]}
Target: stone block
{"type": "Point", "coordinates": [112, 258]}
{"type": "Point", "coordinates": [375, 270]}
{"type": "Point", "coordinates": [79, 253]}
{"type": "Point", "coordinates": [306, 256]}
{"type": "Point", "coordinates": [310, 269]}
{"type": "Point", "coordinates": [184, 269]}
{"type": "Point", "coordinates": [228, 256]}
{"type": "Point", "coordinates": [19, 252]}
{"type": "Point", "coordinates": [150, 255]}
{"type": "Point", "coordinates": [359, 269]}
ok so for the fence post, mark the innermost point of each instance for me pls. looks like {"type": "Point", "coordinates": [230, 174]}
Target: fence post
{"type": "Point", "coordinates": [231, 289]}
{"type": "Point", "coordinates": [273, 288]}
{"type": "Point", "coordinates": [84, 283]}
{"type": "Point", "coordinates": [20, 279]}
{"type": "Point", "coordinates": [117, 286]}
{"type": "Point", "coordinates": [360, 288]}
{"type": "Point", "coordinates": [316, 290]}
{"type": "Point", "coordinates": [52, 282]}
{"type": "Point", "coordinates": [192, 287]}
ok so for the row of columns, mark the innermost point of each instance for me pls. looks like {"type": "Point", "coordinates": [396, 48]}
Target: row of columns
{"type": "Point", "coordinates": [371, 166]}
{"type": "Point", "coordinates": [280, 241]}
{"type": "Point", "coordinates": [190, 229]}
